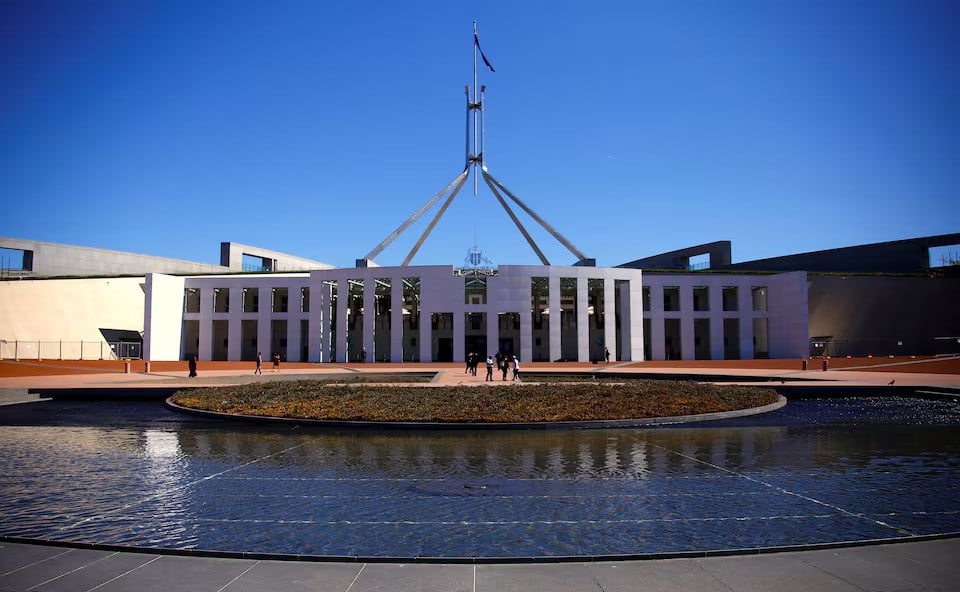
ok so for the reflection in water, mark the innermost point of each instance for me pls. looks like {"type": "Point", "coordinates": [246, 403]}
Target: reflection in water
{"type": "Point", "coordinates": [527, 493]}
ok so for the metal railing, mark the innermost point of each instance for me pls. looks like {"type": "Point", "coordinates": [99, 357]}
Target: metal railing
{"type": "Point", "coordinates": [19, 349]}
{"type": "Point", "coordinates": [15, 273]}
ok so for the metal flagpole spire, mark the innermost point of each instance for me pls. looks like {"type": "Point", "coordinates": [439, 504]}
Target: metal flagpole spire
{"type": "Point", "coordinates": [474, 105]}
{"type": "Point", "coordinates": [476, 163]}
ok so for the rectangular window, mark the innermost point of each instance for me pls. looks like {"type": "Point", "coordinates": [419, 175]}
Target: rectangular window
{"type": "Point", "coordinates": [596, 304]}
{"type": "Point", "coordinates": [731, 339]}
{"type": "Point", "coordinates": [646, 298]}
{"type": "Point", "coordinates": [761, 346]}
{"type": "Point", "coordinates": [701, 339]}
{"type": "Point", "coordinates": [411, 304]}
{"type": "Point", "coordinates": [304, 301]}
{"type": "Point", "coordinates": [540, 301]}
{"type": "Point", "coordinates": [945, 256]}
{"type": "Point", "coordinates": [671, 298]}
{"type": "Point", "coordinates": [701, 298]}
{"type": "Point", "coordinates": [672, 345]}
{"type": "Point", "coordinates": [759, 294]}
{"type": "Point", "coordinates": [191, 300]}
{"type": "Point", "coordinates": [281, 299]}
{"type": "Point", "coordinates": [730, 297]}
{"type": "Point", "coordinates": [476, 320]}
{"type": "Point", "coordinates": [221, 300]}
{"type": "Point", "coordinates": [698, 262]}
{"type": "Point", "coordinates": [251, 299]}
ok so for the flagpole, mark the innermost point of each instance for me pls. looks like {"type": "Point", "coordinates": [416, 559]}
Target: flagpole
{"type": "Point", "coordinates": [476, 180]}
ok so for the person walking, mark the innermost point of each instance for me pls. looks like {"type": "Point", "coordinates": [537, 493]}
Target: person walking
{"type": "Point", "coordinates": [606, 354]}
{"type": "Point", "coordinates": [489, 368]}
{"type": "Point", "coordinates": [504, 366]}
{"type": "Point", "coordinates": [259, 369]}
{"type": "Point", "coordinates": [192, 365]}
{"type": "Point", "coordinates": [276, 362]}
{"type": "Point", "coordinates": [516, 368]}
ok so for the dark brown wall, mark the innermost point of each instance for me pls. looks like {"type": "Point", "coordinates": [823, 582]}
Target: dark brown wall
{"type": "Point", "coordinates": [868, 315]}
{"type": "Point", "coordinates": [903, 256]}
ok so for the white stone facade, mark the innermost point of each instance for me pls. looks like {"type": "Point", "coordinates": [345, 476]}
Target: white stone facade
{"type": "Point", "coordinates": [436, 313]}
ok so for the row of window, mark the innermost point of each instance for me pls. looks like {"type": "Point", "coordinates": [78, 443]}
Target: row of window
{"type": "Point", "coordinates": [250, 300]}
{"type": "Point", "coordinates": [279, 299]}
{"type": "Point", "coordinates": [701, 298]}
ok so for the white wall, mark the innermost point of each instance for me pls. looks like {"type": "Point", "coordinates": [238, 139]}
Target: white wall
{"type": "Point", "coordinates": [441, 291]}
{"type": "Point", "coordinates": [163, 317]}
{"type": "Point", "coordinates": [786, 312]}
{"type": "Point", "coordinates": [63, 313]}
{"type": "Point", "coordinates": [264, 283]}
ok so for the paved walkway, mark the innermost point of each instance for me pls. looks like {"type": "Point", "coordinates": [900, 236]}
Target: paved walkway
{"type": "Point", "coordinates": [925, 565]}
{"type": "Point", "coordinates": [902, 373]}
{"type": "Point", "coordinates": [907, 566]}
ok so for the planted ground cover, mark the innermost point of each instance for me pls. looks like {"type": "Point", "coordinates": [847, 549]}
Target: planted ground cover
{"type": "Point", "coordinates": [635, 399]}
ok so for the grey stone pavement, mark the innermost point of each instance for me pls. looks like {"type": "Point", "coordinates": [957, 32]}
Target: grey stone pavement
{"type": "Point", "coordinates": [923, 565]}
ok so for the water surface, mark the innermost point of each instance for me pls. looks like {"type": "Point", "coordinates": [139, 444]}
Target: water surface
{"type": "Point", "coordinates": [815, 471]}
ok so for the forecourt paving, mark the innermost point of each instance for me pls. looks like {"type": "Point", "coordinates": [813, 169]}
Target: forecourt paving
{"type": "Point", "coordinates": [925, 564]}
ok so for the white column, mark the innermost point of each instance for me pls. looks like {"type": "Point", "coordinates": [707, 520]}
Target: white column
{"type": "Point", "coordinates": [716, 321]}
{"type": "Point", "coordinates": [459, 319]}
{"type": "Point", "coordinates": [493, 331]}
{"type": "Point", "coordinates": [205, 325]}
{"type": "Point", "coordinates": [745, 305]}
{"type": "Point", "coordinates": [317, 327]}
{"type": "Point", "coordinates": [688, 350]}
{"type": "Point", "coordinates": [425, 338]}
{"type": "Point", "coordinates": [234, 323]}
{"type": "Point", "coordinates": [583, 321]}
{"type": "Point", "coordinates": [294, 351]}
{"type": "Point", "coordinates": [634, 319]}
{"type": "Point", "coordinates": [264, 311]}
{"type": "Point", "coordinates": [369, 316]}
{"type": "Point", "coordinates": [343, 301]}
{"type": "Point", "coordinates": [555, 329]}
{"type": "Point", "coordinates": [526, 334]}
{"type": "Point", "coordinates": [658, 349]}
{"type": "Point", "coordinates": [396, 319]}
{"type": "Point", "coordinates": [610, 317]}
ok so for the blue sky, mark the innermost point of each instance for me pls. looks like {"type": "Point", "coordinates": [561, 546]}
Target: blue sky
{"type": "Point", "coordinates": [634, 128]}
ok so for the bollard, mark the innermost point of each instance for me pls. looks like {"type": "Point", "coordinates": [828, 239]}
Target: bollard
{"type": "Point", "coordinates": [126, 367]}
{"type": "Point", "coordinates": [803, 364]}
{"type": "Point", "coordinates": [146, 367]}
{"type": "Point", "coordinates": [826, 364]}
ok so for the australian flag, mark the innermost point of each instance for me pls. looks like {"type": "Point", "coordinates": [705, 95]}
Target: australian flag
{"type": "Point", "coordinates": [476, 43]}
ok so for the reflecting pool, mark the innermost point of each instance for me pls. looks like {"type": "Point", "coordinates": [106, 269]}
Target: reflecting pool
{"type": "Point", "coordinates": [815, 471]}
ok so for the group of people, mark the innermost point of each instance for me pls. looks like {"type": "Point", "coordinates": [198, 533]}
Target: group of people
{"type": "Point", "coordinates": [503, 364]}
{"type": "Point", "coordinates": [276, 363]}
{"type": "Point", "coordinates": [192, 364]}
